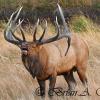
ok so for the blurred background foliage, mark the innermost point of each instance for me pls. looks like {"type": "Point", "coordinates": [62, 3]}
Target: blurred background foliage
{"type": "Point", "coordinates": [48, 3]}
{"type": "Point", "coordinates": [76, 11]}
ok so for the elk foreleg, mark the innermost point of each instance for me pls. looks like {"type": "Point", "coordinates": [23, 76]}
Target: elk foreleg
{"type": "Point", "coordinates": [42, 87]}
{"type": "Point", "coordinates": [52, 85]}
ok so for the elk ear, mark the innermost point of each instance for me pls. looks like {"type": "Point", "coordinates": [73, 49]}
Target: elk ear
{"type": "Point", "coordinates": [38, 47]}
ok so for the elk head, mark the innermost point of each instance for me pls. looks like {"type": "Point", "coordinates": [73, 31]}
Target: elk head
{"type": "Point", "coordinates": [23, 44]}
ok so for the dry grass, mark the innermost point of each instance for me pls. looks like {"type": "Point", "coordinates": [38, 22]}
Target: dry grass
{"type": "Point", "coordinates": [17, 84]}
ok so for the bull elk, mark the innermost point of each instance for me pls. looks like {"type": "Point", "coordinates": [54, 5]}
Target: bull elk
{"type": "Point", "coordinates": [47, 58]}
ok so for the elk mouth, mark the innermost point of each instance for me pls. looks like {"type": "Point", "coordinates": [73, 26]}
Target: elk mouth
{"type": "Point", "coordinates": [24, 51]}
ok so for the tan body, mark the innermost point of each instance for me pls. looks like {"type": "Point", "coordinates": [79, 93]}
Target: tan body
{"type": "Point", "coordinates": [54, 61]}
{"type": "Point", "coordinates": [49, 59]}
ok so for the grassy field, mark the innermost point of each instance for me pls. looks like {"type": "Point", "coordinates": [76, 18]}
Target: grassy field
{"type": "Point", "coordinates": [17, 84]}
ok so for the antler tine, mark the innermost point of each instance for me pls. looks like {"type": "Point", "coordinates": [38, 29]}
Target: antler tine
{"type": "Point", "coordinates": [22, 32]}
{"type": "Point", "coordinates": [57, 21]}
{"type": "Point", "coordinates": [52, 38]}
{"type": "Point", "coordinates": [57, 25]}
{"type": "Point", "coordinates": [44, 31]}
{"type": "Point", "coordinates": [19, 24]}
{"type": "Point", "coordinates": [63, 19]}
{"type": "Point", "coordinates": [63, 35]}
{"type": "Point", "coordinates": [34, 35]}
{"type": "Point", "coordinates": [11, 27]}
{"type": "Point", "coordinates": [11, 17]}
{"type": "Point", "coordinates": [66, 32]}
{"type": "Point", "coordinates": [12, 31]}
{"type": "Point", "coordinates": [18, 14]}
{"type": "Point", "coordinates": [68, 41]}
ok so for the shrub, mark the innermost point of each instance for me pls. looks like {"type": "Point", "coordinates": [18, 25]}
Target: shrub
{"type": "Point", "coordinates": [97, 5]}
{"type": "Point", "coordinates": [79, 23]}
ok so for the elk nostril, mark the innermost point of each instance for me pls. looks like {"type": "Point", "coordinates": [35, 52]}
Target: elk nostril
{"type": "Point", "coordinates": [24, 49]}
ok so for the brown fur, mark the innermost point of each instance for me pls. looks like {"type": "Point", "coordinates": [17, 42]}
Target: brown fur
{"type": "Point", "coordinates": [48, 61]}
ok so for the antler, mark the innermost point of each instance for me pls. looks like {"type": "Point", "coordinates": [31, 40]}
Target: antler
{"type": "Point", "coordinates": [65, 34]}
{"type": "Point", "coordinates": [11, 27]}
{"type": "Point", "coordinates": [34, 34]}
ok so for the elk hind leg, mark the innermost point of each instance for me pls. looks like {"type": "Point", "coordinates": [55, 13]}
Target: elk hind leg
{"type": "Point", "coordinates": [81, 73]}
{"type": "Point", "coordinates": [70, 80]}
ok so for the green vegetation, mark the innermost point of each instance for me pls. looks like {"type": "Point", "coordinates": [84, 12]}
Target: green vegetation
{"type": "Point", "coordinates": [83, 24]}
{"type": "Point", "coordinates": [8, 3]}
{"type": "Point", "coordinates": [97, 5]}
{"type": "Point", "coordinates": [74, 3]}
{"type": "Point", "coordinates": [79, 24]}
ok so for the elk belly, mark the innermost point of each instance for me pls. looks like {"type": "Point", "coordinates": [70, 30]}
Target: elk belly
{"type": "Point", "coordinates": [67, 62]}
